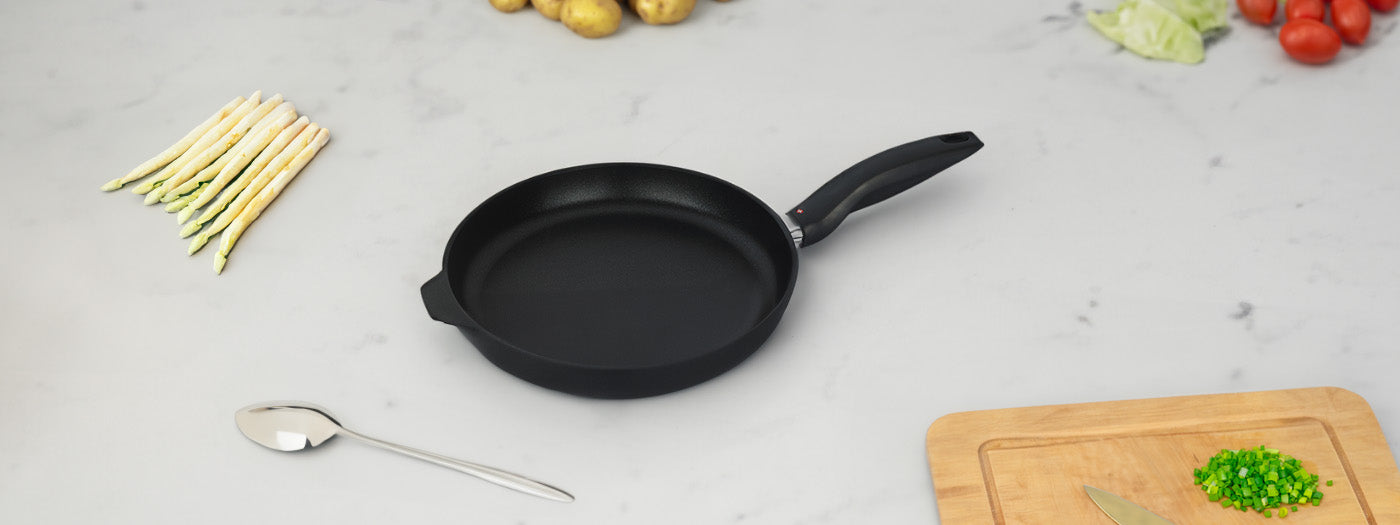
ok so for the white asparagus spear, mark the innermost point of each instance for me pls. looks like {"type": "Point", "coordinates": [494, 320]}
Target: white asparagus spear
{"type": "Point", "coordinates": [181, 202]}
{"type": "Point", "coordinates": [200, 145]}
{"type": "Point", "coordinates": [255, 185]}
{"type": "Point", "coordinates": [219, 147]}
{"type": "Point", "coordinates": [178, 201]}
{"type": "Point", "coordinates": [268, 153]}
{"type": "Point", "coordinates": [278, 117]}
{"type": "Point", "coordinates": [265, 197]}
{"type": "Point", "coordinates": [184, 190]}
{"type": "Point", "coordinates": [174, 150]}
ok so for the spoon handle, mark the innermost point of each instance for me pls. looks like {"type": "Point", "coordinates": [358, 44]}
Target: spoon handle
{"type": "Point", "coordinates": [497, 476]}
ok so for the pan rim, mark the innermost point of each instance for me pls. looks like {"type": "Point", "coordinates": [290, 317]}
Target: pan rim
{"type": "Point", "coordinates": [778, 308]}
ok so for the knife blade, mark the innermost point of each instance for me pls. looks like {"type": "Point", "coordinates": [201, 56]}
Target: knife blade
{"type": "Point", "coordinates": [1123, 511]}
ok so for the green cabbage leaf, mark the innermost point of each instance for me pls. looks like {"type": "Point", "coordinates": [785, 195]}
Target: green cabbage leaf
{"type": "Point", "coordinates": [1162, 29]}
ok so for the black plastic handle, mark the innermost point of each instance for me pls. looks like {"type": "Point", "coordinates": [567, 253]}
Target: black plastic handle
{"type": "Point", "coordinates": [878, 178]}
{"type": "Point", "coordinates": [442, 304]}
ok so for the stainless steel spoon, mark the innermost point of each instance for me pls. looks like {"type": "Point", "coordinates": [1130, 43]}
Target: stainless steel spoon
{"type": "Point", "coordinates": [293, 425]}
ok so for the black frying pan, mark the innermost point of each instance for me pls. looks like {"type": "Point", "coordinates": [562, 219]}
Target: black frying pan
{"type": "Point", "coordinates": [627, 280]}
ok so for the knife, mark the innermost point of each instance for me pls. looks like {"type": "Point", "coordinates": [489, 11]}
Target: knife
{"type": "Point", "coordinates": [1123, 511]}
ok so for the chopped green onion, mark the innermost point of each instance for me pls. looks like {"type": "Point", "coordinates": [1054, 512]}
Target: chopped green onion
{"type": "Point", "coordinates": [1259, 479]}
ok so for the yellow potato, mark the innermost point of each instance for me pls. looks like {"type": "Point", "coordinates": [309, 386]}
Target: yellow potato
{"type": "Point", "coordinates": [591, 18]}
{"type": "Point", "coordinates": [549, 8]}
{"type": "Point", "coordinates": [658, 12]}
{"type": "Point", "coordinates": [508, 6]}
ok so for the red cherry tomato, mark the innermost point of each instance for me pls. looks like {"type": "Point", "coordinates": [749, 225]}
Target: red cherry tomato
{"type": "Point", "coordinates": [1296, 9]}
{"type": "Point", "coordinates": [1384, 6]}
{"type": "Point", "coordinates": [1258, 11]}
{"type": "Point", "coordinates": [1309, 41]}
{"type": "Point", "coordinates": [1352, 19]}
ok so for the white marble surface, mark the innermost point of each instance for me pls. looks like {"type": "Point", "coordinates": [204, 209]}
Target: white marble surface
{"type": "Point", "coordinates": [1102, 246]}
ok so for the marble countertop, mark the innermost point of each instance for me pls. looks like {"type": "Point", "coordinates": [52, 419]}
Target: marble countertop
{"type": "Point", "coordinates": [1132, 229]}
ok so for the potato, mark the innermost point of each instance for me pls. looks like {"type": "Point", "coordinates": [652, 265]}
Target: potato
{"type": "Point", "coordinates": [549, 8]}
{"type": "Point", "coordinates": [508, 6]}
{"type": "Point", "coordinates": [658, 12]}
{"type": "Point", "coordinates": [591, 18]}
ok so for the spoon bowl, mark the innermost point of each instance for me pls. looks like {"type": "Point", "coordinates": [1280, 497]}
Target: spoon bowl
{"type": "Point", "coordinates": [286, 426]}
{"type": "Point", "coordinates": [290, 426]}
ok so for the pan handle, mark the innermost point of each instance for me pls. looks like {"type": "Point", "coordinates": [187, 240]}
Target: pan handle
{"type": "Point", "coordinates": [442, 304]}
{"type": "Point", "coordinates": [878, 178]}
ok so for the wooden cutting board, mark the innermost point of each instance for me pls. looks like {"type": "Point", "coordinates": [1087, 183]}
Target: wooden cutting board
{"type": "Point", "coordinates": [1028, 465]}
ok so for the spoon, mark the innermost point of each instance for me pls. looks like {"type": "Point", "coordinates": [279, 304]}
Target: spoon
{"type": "Point", "coordinates": [294, 425]}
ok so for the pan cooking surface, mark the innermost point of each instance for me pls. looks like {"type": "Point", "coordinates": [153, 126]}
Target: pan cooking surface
{"type": "Point", "coordinates": [621, 283]}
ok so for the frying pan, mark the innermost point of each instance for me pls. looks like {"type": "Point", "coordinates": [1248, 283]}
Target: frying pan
{"type": "Point", "coordinates": [626, 280]}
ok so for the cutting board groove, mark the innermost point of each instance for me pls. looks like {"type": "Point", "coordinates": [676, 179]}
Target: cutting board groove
{"type": "Point", "coordinates": [1028, 465]}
